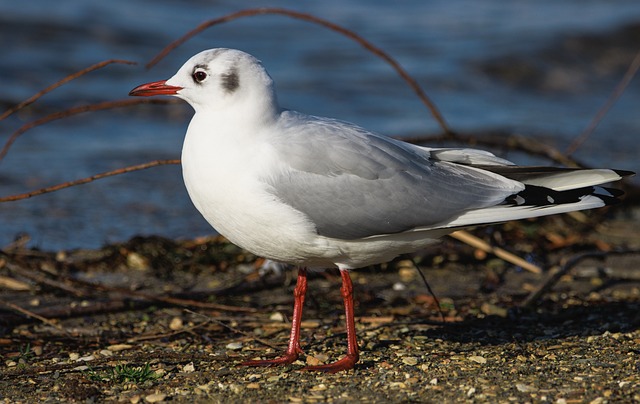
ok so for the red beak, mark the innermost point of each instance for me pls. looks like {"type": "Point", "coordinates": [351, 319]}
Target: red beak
{"type": "Point", "coordinates": [155, 88]}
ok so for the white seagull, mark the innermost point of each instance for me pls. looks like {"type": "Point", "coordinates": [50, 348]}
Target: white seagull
{"type": "Point", "coordinates": [318, 192]}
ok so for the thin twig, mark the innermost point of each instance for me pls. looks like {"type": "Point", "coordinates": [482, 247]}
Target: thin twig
{"type": "Point", "coordinates": [59, 83]}
{"type": "Point", "coordinates": [615, 95]}
{"type": "Point", "coordinates": [75, 111]}
{"type": "Point", "coordinates": [327, 24]}
{"type": "Point", "coordinates": [476, 242]}
{"type": "Point", "coordinates": [39, 278]}
{"type": "Point", "coordinates": [233, 329]}
{"type": "Point", "coordinates": [68, 184]}
{"type": "Point", "coordinates": [169, 334]}
{"type": "Point", "coordinates": [503, 140]}
{"type": "Point", "coordinates": [33, 315]}
{"type": "Point", "coordinates": [558, 272]}
{"type": "Point", "coordinates": [426, 284]}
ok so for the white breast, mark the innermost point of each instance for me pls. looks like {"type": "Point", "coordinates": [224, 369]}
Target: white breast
{"type": "Point", "coordinates": [223, 174]}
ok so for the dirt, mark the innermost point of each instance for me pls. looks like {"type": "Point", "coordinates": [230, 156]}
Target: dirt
{"type": "Point", "coordinates": [193, 310]}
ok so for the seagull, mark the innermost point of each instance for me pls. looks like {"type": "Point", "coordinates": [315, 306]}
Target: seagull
{"type": "Point", "coordinates": [319, 193]}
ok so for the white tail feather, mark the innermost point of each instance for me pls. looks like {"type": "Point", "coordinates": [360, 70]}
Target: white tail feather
{"type": "Point", "coordinates": [566, 180]}
{"type": "Point", "coordinates": [503, 213]}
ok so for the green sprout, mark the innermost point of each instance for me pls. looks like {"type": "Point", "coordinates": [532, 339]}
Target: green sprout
{"type": "Point", "coordinates": [123, 374]}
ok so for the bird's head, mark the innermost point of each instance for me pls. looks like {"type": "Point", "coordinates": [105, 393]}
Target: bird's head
{"type": "Point", "coordinates": [218, 79]}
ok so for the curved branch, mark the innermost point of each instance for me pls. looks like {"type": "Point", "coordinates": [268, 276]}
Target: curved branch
{"type": "Point", "coordinates": [92, 178]}
{"type": "Point", "coordinates": [59, 83]}
{"type": "Point", "coordinates": [617, 92]}
{"type": "Point", "coordinates": [75, 111]}
{"type": "Point", "coordinates": [327, 24]}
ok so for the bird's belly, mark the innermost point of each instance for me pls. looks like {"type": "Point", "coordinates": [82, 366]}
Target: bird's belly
{"type": "Point", "coordinates": [249, 216]}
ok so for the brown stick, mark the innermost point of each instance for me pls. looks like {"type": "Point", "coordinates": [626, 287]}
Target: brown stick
{"type": "Point", "coordinates": [75, 111]}
{"type": "Point", "coordinates": [43, 280]}
{"type": "Point", "coordinates": [148, 337]}
{"type": "Point", "coordinates": [476, 242]}
{"type": "Point", "coordinates": [33, 315]}
{"type": "Point", "coordinates": [615, 94]}
{"type": "Point", "coordinates": [327, 24]}
{"type": "Point", "coordinates": [558, 272]}
{"type": "Point", "coordinates": [59, 83]}
{"type": "Point", "coordinates": [233, 329]}
{"type": "Point", "coordinates": [88, 179]}
{"type": "Point", "coordinates": [505, 140]}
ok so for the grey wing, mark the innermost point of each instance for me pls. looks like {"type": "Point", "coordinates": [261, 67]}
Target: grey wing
{"type": "Point", "coordinates": [353, 184]}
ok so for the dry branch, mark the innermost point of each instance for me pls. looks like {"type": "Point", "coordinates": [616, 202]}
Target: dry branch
{"type": "Point", "coordinates": [31, 314]}
{"type": "Point", "coordinates": [503, 140]}
{"type": "Point", "coordinates": [478, 243]}
{"type": "Point", "coordinates": [71, 112]}
{"type": "Point", "coordinates": [322, 22]}
{"type": "Point", "coordinates": [631, 72]}
{"type": "Point", "coordinates": [59, 83]}
{"type": "Point", "coordinates": [559, 271]}
{"type": "Point", "coordinates": [106, 174]}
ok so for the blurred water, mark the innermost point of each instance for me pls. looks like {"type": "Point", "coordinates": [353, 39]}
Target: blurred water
{"type": "Point", "coordinates": [441, 43]}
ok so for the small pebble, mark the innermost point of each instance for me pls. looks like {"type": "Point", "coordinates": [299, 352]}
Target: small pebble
{"type": "Point", "coordinates": [410, 360]}
{"type": "Point", "coordinates": [493, 310]}
{"type": "Point", "coordinates": [524, 388]}
{"type": "Point", "coordinates": [407, 272]}
{"type": "Point", "coordinates": [234, 346]}
{"type": "Point", "coordinates": [176, 324]}
{"type": "Point", "coordinates": [478, 359]}
{"type": "Point", "coordinates": [188, 368]}
{"type": "Point", "coordinates": [277, 316]}
{"type": "Point", "coordinates": [155, 398]}
{"type": "Point", "coordinates": [119, 347]}
{"type": "Point", "coordinates": [399, 286]}
{"type": "Point", "coordinates": [313, 361]}
{"type": "Point", "coordinates": [106, 353]}
{"type": "Point", "coordinates": [137, 262]}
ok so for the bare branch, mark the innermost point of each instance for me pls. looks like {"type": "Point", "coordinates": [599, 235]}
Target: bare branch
{"type": "Point", "coordinates": [504, 140]}
{"type": "Point", "coordinates": [327, 24]}
{"type": "Point", "coordinates": [88, 179]}
{"type": "Point", "coordinates": [31, 314]}
{"type": "Point", "coordinates": [566, 265]}
{"type": "Point", "coordinates": [617, 92]}
{"type": "Point", "coordinates": [505, 255]}
{"type": "Point", "coordinates": [75, 111]}
{"type": "Point", "coordinates": [59, 83]}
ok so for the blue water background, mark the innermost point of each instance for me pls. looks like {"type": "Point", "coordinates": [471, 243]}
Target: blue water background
{"type": "Point", "coordinates": [440, 42]}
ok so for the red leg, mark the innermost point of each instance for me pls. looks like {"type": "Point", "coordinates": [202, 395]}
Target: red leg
{"type": "Point", "coordinates": [349, 361]}
{"type": "Point", "coordinates": [293, 349]}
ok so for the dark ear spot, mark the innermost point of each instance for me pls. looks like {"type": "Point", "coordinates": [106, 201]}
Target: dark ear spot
{"type": "Point", "coordinates": [230, 81]}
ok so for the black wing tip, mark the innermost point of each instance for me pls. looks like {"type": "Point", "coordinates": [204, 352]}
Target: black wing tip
{"type": "Point", "coordinates": [610, 196]}
{"type": "Point", "coordinates": [534, 195]}
{"type": "Point", "coordinates": [624, 173]}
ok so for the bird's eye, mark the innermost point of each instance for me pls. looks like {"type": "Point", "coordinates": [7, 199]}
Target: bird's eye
{"type": "Point", "coordinates": [199, 76]}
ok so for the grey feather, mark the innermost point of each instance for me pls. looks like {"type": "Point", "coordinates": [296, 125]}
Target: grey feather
{"type": "Point", "coordinates": [339, 174]}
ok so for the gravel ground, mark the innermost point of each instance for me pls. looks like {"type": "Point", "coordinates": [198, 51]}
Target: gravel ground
{"type": "Point", "coordinates": [191, 311]}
